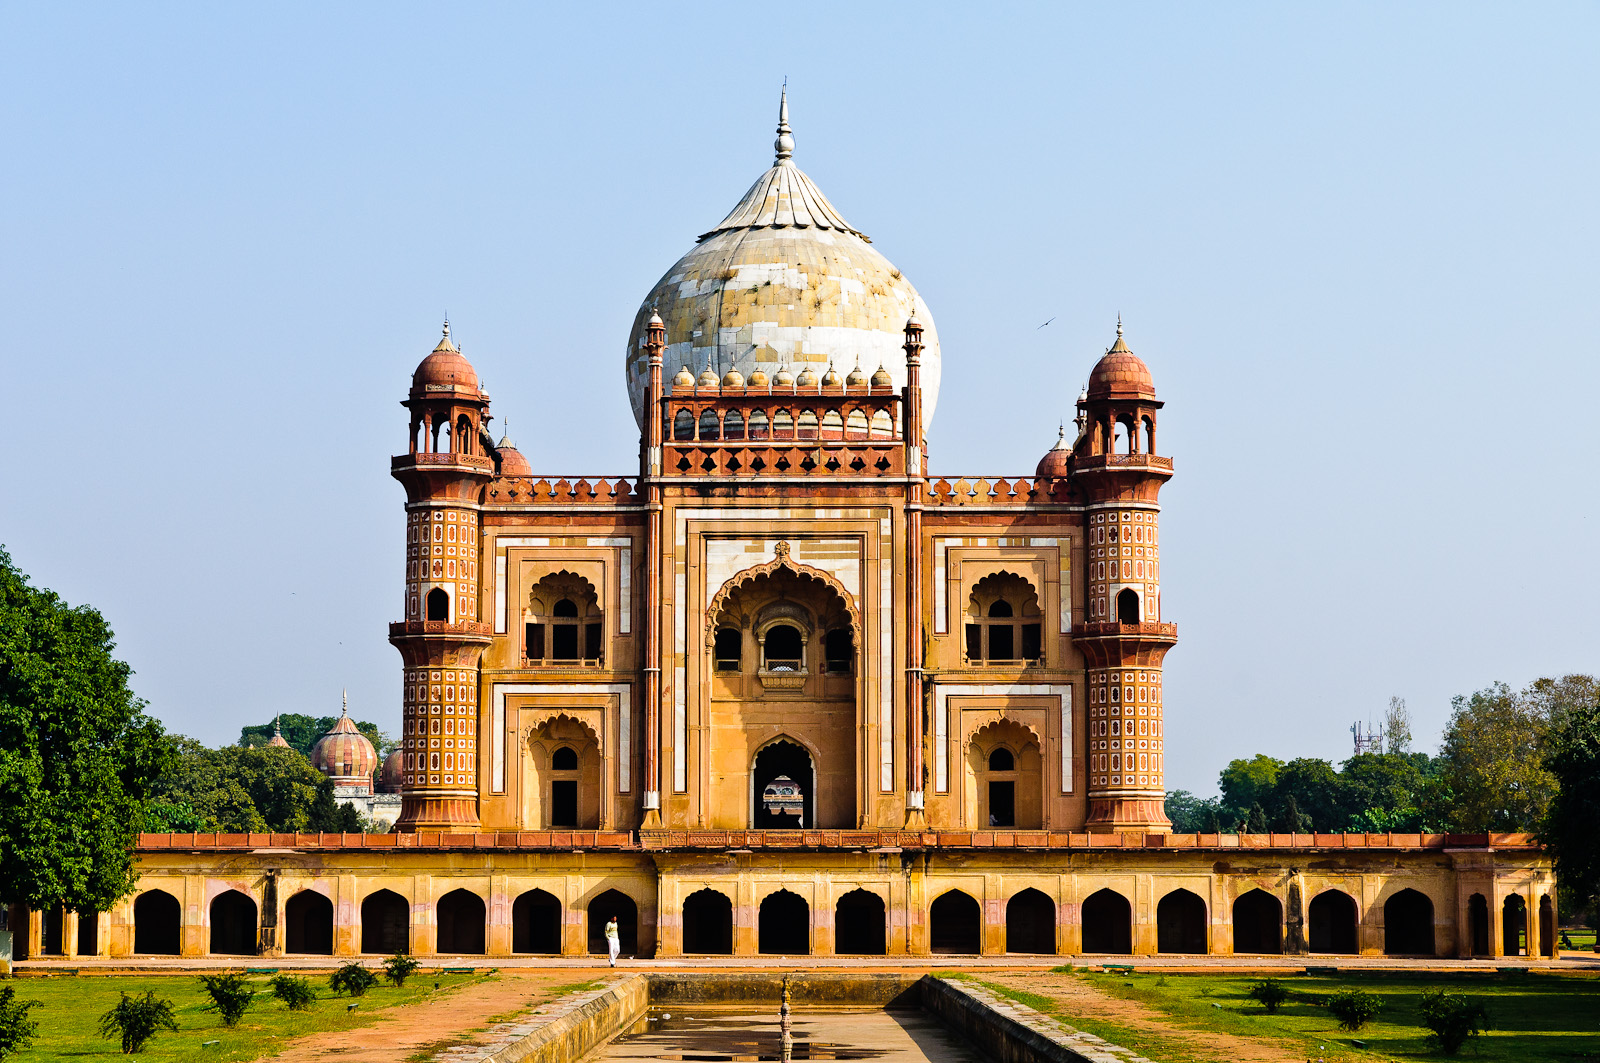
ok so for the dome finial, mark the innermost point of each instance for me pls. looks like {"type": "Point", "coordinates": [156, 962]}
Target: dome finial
{"type": "Point", "coordinates": [1119, 324]}
{"type": "Point", "coordinates": [447, 324]}
{"type": "Point", "coordinates": [344, 709]}
{"type": "Point", "coordinates": [784, 145]}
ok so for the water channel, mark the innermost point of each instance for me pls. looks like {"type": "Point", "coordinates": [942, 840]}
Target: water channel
{"type": "Point", "coordinates": [741, 1033]}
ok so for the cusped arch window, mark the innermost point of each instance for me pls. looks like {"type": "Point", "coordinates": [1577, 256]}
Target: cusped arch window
{"type": "Point", "coordinates": [563, 623]}
{"type": "Point", "coordinates": [1003, 621]}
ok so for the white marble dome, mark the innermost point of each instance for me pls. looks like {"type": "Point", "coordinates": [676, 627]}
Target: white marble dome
{"type": "Point", "coordinates": [784, 282]}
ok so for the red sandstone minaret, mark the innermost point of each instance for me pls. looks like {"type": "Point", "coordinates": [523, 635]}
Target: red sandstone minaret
{"type": "Point", "coordinates": [1122, 637]}
{"type": "Point", "coordinates": [442, 637]}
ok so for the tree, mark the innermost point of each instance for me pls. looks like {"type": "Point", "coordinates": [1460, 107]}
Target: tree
{"type": "Point", "coordinates": [1290, 819]}
{"type": "Point", "coordinates": [17, 1031]}
{"type": "Point", "coordinates": [1573, 758]}
{"type": "Point", "coordinates": [135, 1020]}
{"type": "Point", "coordinates": [231, 996]}
{"type": "Point", "coordinates": [1190, 814]}
{"type": "Point", "coordinates": [78, 755]}
{"type": "Point", "coordinates": [1397, 726]}
{"type": "Point", "coordinates": [244, 790]}
{"type": "Point", "coordinates": [1553, 699]}
{"type": "Point", "coordinates": [1384, 791]}
{"type": "Point", "coordinates": [329, 815]}
{"type": "Point", "coordinates": [1315, 788]}
{"type": "Point", "coordinates": [1491, 760]}
{"type": "Point", "coordinates": [1256, 821]}
{"type": "Point", "coordinates": [302, 732]}
{"type": "Point", "coordinates": [1248, 782]}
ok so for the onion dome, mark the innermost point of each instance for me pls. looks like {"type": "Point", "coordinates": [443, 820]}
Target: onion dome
{"type": "Point", "coordinates": [758, 379]}
{"type": "Point", "coordinates": [512, 463]}
{"type": "Point", "coordinates": [1055, 461]}
{"type": "Point", "coordinates": [784, 378]}
{"type": "Point", "coordinates": [806, 379]}
{"type": "Point", "coordinates": [1121, 374]}
{"type": "Point", "coordinates": [445, 370]}
{"type": "Point", "coordinates": [684, 379]}
{"type": "Point", "coordinates": [344, 755]}
{"type": "Point", "coordinates": [277, 735]}
{"type": "Point", "coordinates": [882, 379]}
{"type": "Point", "coordinates": [783, 280]}
{"type": "Point", "coordinates": [830, 379]}
{"type": "Point", "coordinates": [733, 379]}
{"type": "Point", "coordinates": [708, 379]}
{"type": "Point", "coordinates": [856, 379]}
{"type": "Point", "coordinates": [393, 774]}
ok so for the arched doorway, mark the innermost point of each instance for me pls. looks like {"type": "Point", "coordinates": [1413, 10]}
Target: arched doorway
{"type": "Point", "coordinates": [1514, 926]}
{"type": "Point", "coordinates": [784, 925]}
{"type": "Point", "coordinates": [708, 924]}
{"type": "Point", "coordinates": [1031, 923]}
{"type": "Point", "coordinates": [233, 925]}
{"type": "Point", "coordinates": [613, 904]}
{"type": "Point", "coordinates": [385, 923]}
{"type": "Point", "coordinates": [51, 943]}
{"type": "Point", "coordinates": [1107, 923]}
{"type": "Point", "coordinates": [563, 772]}
{"type": "Point", "coordinates": [1547, 927]}
{"type": "Point", "coordinates": [859, 925]}
{"type": "Point", "coordinates": [462, 922]}
{"type": "Point", "coordinates": [308, 924]}
{"type": "Point", "coordinates": [1005, 777]}
{"type": "Point", "coordinates": [783, 787]}
{"type": "Point", "coordinates": [1333, 918]}
{"type": "Point", "coordinates": [536, 923]}
{"type": "Point", "coordinates": [88, 933]}
{"type": "Point", "coordinates": [1258, 923]}
{"type": "Point", "coordinates": [1181, 923]}
{"type": "Point", "coordinates": [1478, 924]}
{"type": "Point", "coordinates": [955, 924]}
{"type": "Point", "coordinates": [1408, 924]}
{"type": "Point", "coordinates": [157, 916]}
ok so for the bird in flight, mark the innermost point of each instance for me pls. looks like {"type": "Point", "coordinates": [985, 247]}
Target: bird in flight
{"type": "Point", "coordinates": [1042, 326]}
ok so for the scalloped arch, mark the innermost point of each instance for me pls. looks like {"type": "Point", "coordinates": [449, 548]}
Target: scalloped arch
{"type": "Point", "coordinates": [781, 561]}
{"type": "Point", "coordinates": [553, 715]}
{"type": "Point", "coordinates": [1006, 721]}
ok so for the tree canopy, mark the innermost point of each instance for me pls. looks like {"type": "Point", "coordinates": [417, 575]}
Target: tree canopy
{"type": "Point", "coordinates": [78, 754]}
{"type": "Point", "coordinates": [1573, 757]}
{"type": "Point", "coordinates": [238, 790]}
{"type": "Point", "coordinates": [302, 732]}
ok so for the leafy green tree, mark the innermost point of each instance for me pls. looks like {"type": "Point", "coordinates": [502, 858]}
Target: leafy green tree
{"type": "Point", "coordinates": [1452, 1017]}
{"type": "Point", "coordinates": [1190, 814]}
{"type": "Point", "coordinates": [399, 967]}
{"type": "Point", "coordinates": [1269, 993]}
{"type": "Point", "coordinates": [230, 996]}
{"type": "Point", "coordinates": [1315, 788]}
{"type": "Point", "coordinates": [1354, 1008]}
{"type": "Point", "coordinates": [1248, 782]}
{"type": "Point", "coordinates": [135, 1020]}
{"type": "Point", "coordinates": [1384, 788]}
{"type": "Point", "coordinates": [352, 978]}
{"type": "Point", "coordinates": [1255, 821]}
{"type": "Point", "coordinates": [239, 790]}
{"type": "Point", "coordinates": [1553, 699]}
{"type": "Point", "coordinates": [1397, 726]}
{"type": "Point", "coordinates": [1573, 757]}
{"type": "Point", "coordinates": [295, 992]}
{"type": "Point", "coordinates": [329, 815]}
{"type": "Point", "coordinates": [78, 755]}
{"type": "Point", "coordinates": [1291, 820]}
{"type": "Point", "coordinates": [17, 1031]}
{"type": "Point", "coordinates": [1491, 760]}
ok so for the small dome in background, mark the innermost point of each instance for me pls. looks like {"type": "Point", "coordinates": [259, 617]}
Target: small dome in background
{"type": "Point", "coordinates": [806, 379]}
{"type": "Point", "coordinates": [708, 379]}
{"type": "Point", "coordinates": [1056, 461]}
{"type": "Point", "coordinates": [512, 463]}
{"type": "Point", "coordinates": [1121, 374]}
{"type": "Point", "coordinates": [733, 379]}
{"type": "Point", "coordinates": [344, 755]}
{"type": "Point", "coordinates": [393, 775]}
{"type": "Point", "coordinates": [784, 377]}
{"type": "Point", "coordinates": [882, 379]}
{"type": "Point", "coordinates": [758, 379]}
{"type": "Point", "coordinates": [684, 379]}
{"type": "Point", "coordinates": [856, 379]}
{"type": "Point", "coordinates": [830, 379]}
{"type": "Point", "coordinates": [277, 736]}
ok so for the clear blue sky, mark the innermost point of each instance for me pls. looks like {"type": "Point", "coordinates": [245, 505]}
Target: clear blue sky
{"type": "Point", "coordinates": [1355, 243]}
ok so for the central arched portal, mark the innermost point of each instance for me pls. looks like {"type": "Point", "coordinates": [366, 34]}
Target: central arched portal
{"type": "Point", "coordinates": [783, 787]}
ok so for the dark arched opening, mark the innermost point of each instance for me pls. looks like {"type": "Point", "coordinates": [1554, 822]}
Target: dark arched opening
{"type": "Point", "coordinates": [839, 651]}
{"type": "Point", "coordinates": [1408, 924]}
{"type": "Point", "coordinates": [1514, 926]}
{"type": "Point", "coordinates": [385, 923]}
{"type": "Point", "coordinates": [785, 925]}
{"type": "Point", "coordinates": [955, 924]}
{"type": "Point", "coordinates": [462, 918]}
{"type": "Point", "coordinates": [683, 425]}
{"type": "Point", "coordinates": [1031, 923]}
{"type": "Point", "coordinates": [1333, 919]}
{"type": "Point", "coordinates": [438, 604]}
{"type": "Point", "coordinates": [1128, 606]}
{"type": "Point", "coordinates": [784, 649]}
{"type": "Point", "coordinates": [1107, 923]}
{"type": "Point", "coordinates": [233, 925]}
{"type": "Point", "coordinates": [613, 904]}
{"type": "Point", "coordinates": [1478, 924]}
{"type": "Point", "coordinates": [1258, 923]}
{"type": "Point", "coordinates": [1181, 923]}
{"type": "Point", "coordinates": [536, 923]}
{"type": "Point", "coordinates": [88, 933]}
{"type": "Point", "coordinates": [157, 916]}
{"type": "Point", "coordinates": [51, 943]}
{"type": "Point", "coordinates": [708, 924]}
{"type": "Point", "coordinates": [308, 924]}
{"type": "Point", "coordinates": [728, 649]}
{"type": "Point", "coordinates": [1547, 927]}
{"type": "Point", "coordinates": [859, 925]}
{"type": "Point", "coordinates": [783, 760]}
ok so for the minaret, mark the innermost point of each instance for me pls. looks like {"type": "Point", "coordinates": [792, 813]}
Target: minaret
{"type": "Point", "coordinates": [1123, 639]}
{"type": "Point", "coordinates": [916, 789]}
{"type": "Point", "coordinates": [441, 638]}
{"type": "Point", "coordinates": [655, 344]}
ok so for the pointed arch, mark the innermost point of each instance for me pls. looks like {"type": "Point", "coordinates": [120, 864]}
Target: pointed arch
{"type": "Point", "coordinates": [780, 562]}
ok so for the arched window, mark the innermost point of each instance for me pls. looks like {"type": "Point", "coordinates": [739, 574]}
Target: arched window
{"type": "Point", "coordinates": [563, 623]}
{"type": "Point", "coordinates": [1127, 606]}
{"type": "Point", "coordinates": [832, 425]}
{"type": "Point", "coordinates": [839, 651]}
{"type": "Point", "coordinates": [1003, 621]}
{"type": "Point", "coordinates": [857, 424]}
{"type": "Point", "coordinates": [728, 650]}
{"type": "Point", "coordinates": [808, 424]}
{"type": "Point", "coordinates": [882, 425]}
{"type": "Point", "coordinates": [1002, 760]}
{"type": "Point", "coordinates": [709, 428]}
{"type": "Point", "coordinates": [683, 425]}
{"type": "Point", "coordinates": [564, 787]}
{"type": "Point", "coordinates": [439, 604]}
{"type": "Point", "coordinates": [733, 425]}
{"type": "Point", "coordinates": [782, 425]}
{"type": "Point", "coordinates": [564, 759]}
{"type": "Point", "coordinates": [783, 649]}
{"type": "Point", "coordinates": [758, 424]}
{"type": "Point", "coordinates": [463, 436]}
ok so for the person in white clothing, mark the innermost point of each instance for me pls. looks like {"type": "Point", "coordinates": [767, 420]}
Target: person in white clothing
{"type": "Point", "coordinates": [613, 941]}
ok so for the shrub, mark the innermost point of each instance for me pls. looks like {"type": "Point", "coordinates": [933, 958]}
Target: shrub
{"type": "Point", "coordinates": [399, 967]}
{"type": "Point", "coordinates": [352, 978]}
{"type": "Point", "coordinates": [295, 992]}
{"type": "Point", "coordinates": [230, 996]}
{"type": "Point", "coordinates": [1269, 993]}
{"type": "Point", "coordinates": [1354, 1008]}
{"type": "Point", "coordinates": [1452, 1018]}
{"type": "Point", "coordinates": [16, 1029]}
{"type": "Point", "coordinates": [137, 1019]}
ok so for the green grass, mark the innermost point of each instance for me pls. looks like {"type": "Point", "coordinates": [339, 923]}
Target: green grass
{"type": "Point", "coordinates": [73, 1006]}
{"type": "Point", "coordinates": [1581, 938]}
{"type": "Point", "coordinates": [1536, 1018]}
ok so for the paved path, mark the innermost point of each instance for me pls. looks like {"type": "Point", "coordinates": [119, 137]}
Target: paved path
{"type": "Point", "coordinates": [714, 1033]}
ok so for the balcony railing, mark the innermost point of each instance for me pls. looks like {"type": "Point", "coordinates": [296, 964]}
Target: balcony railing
{"type": "Point", "coordinates": [1106, 629]}
{"type": "Point", "coordinates": [560, 491]}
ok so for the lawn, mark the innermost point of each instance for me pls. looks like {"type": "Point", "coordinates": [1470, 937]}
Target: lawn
{"type": "Point", "coordinates": [1535, 1018]}
{"type": "Point", "coordinates": [1581, 937]}
{"type": "Point", "coordinates": [73, 1006]}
